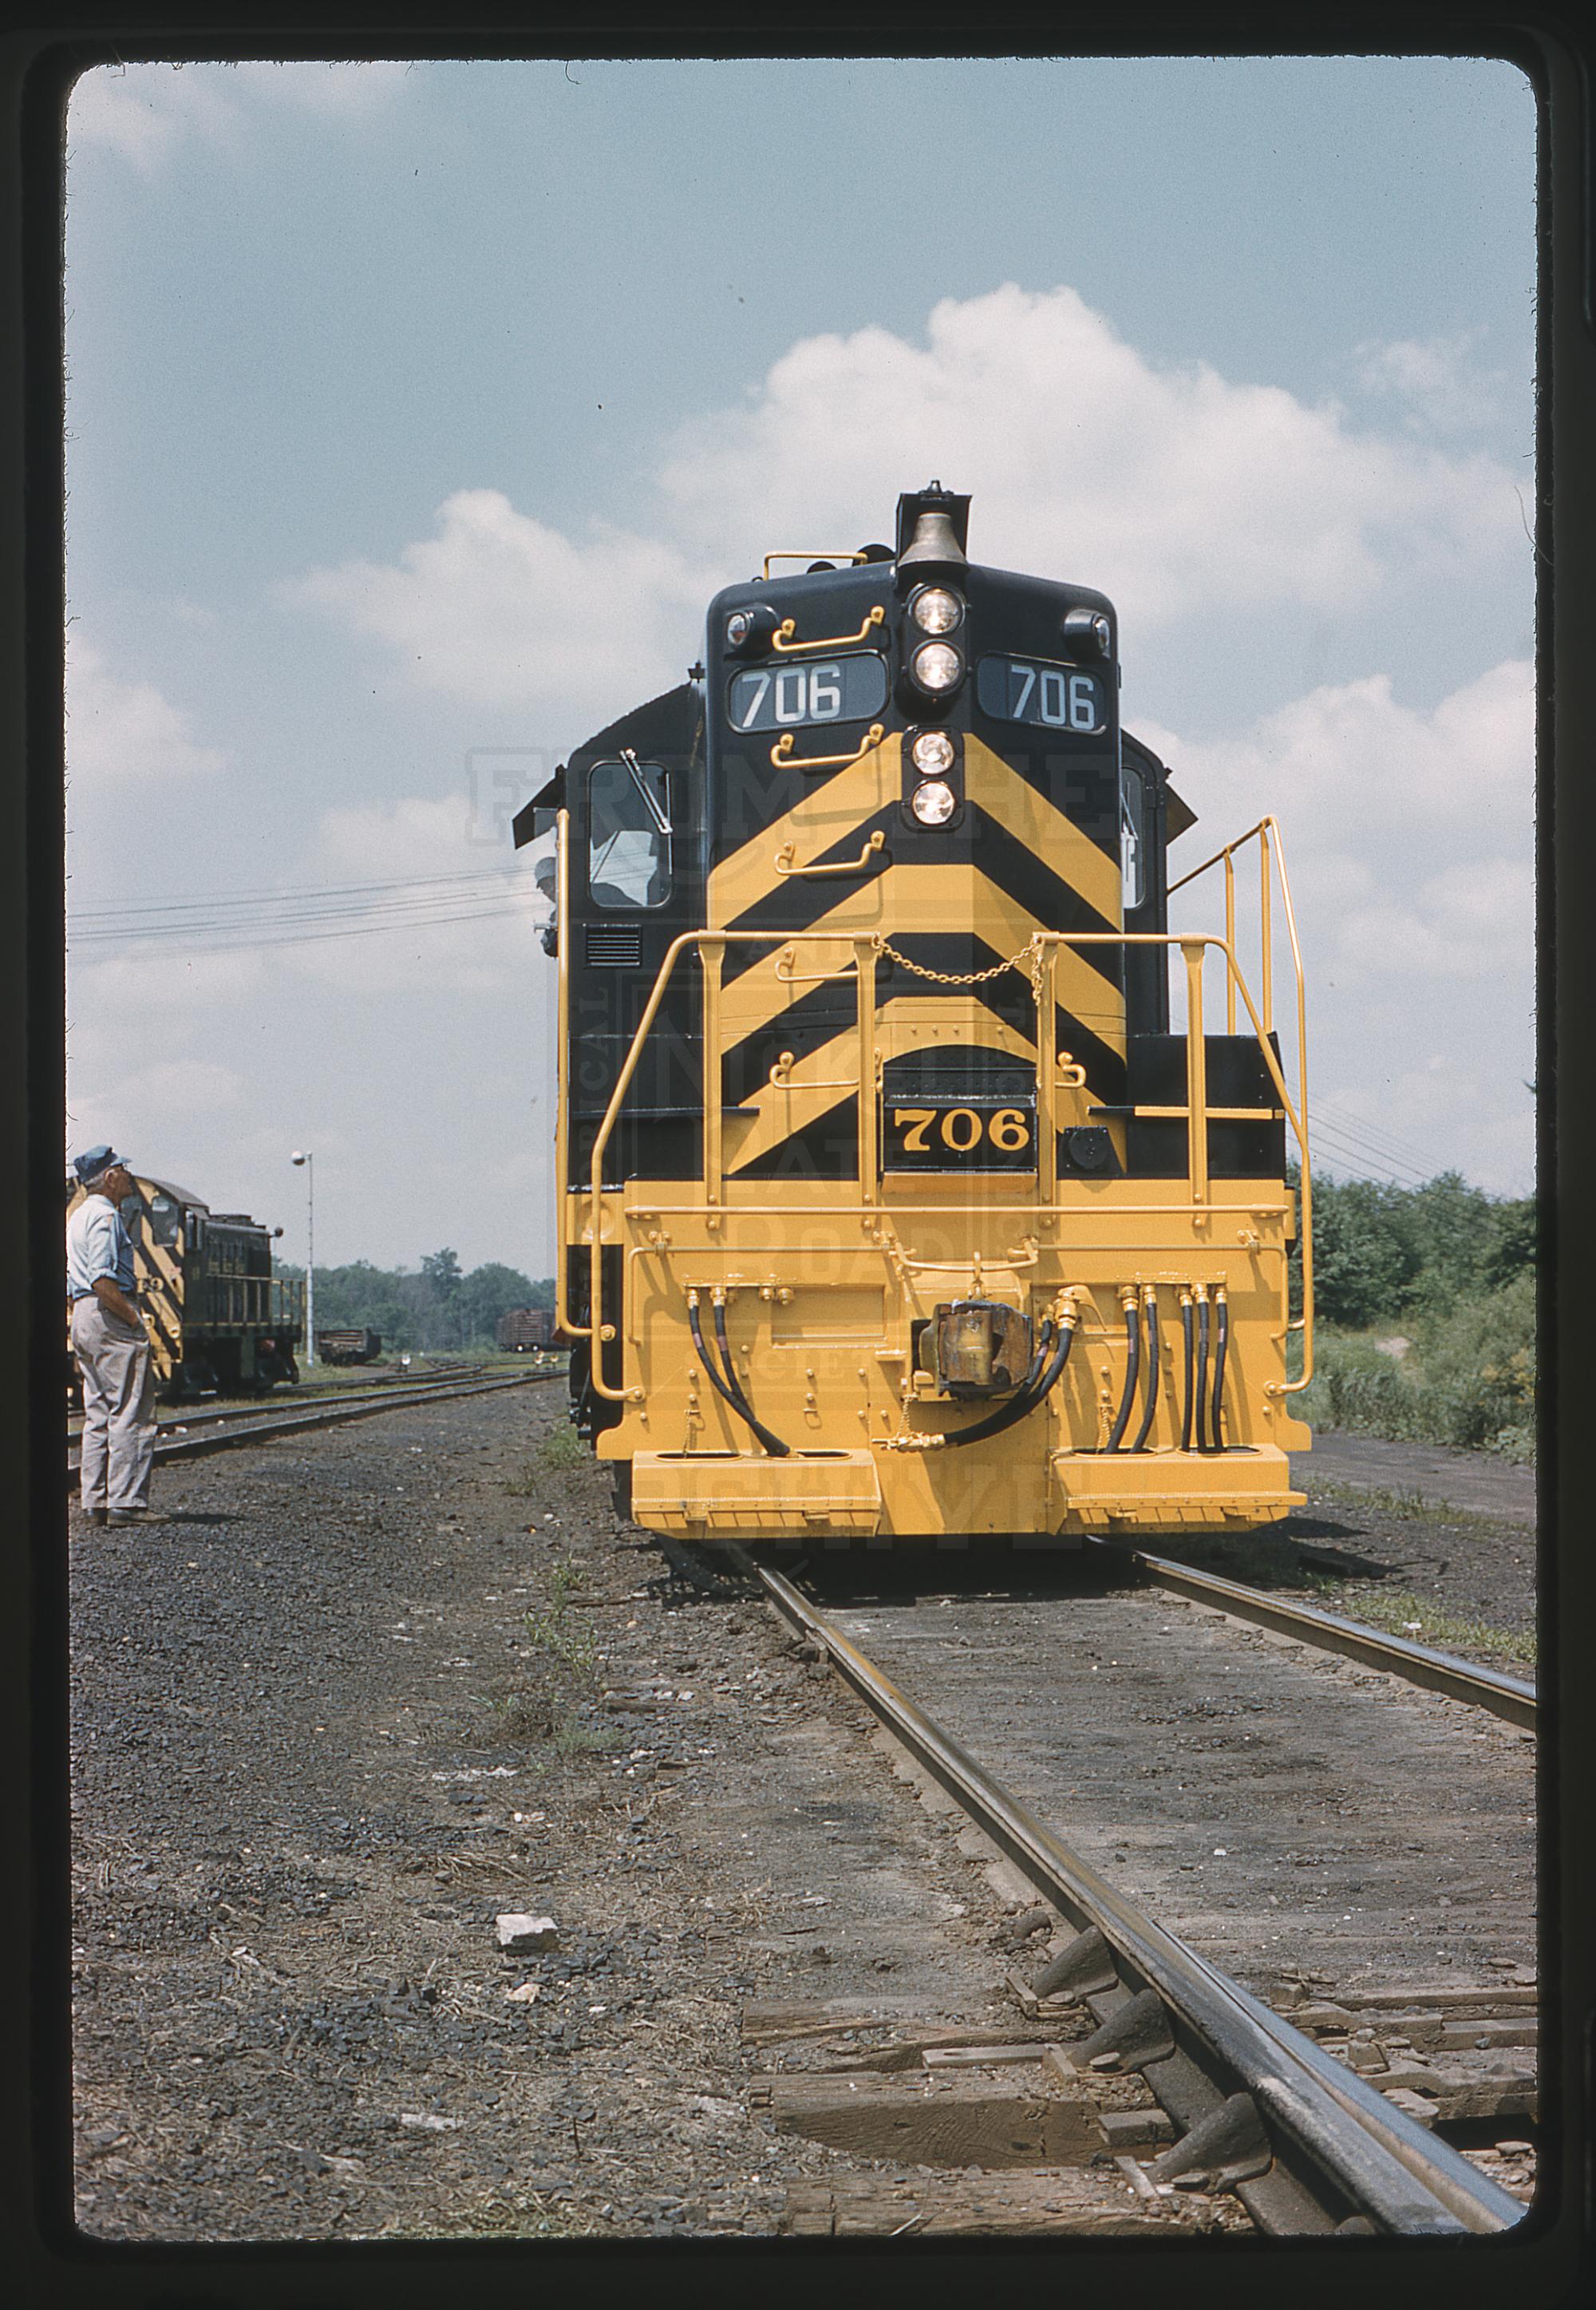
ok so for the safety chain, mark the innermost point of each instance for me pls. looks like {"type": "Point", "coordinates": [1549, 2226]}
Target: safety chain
{"type": "Point", "coordinates": [1031, 956]}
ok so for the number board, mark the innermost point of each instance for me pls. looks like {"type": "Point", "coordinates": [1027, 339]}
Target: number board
{"type": "Point", "coordinates": [777, 697]}
{"type": "Point", "coordinates": [1053, 697]}
{"type": "Point", "coordinates": [973, 1134]}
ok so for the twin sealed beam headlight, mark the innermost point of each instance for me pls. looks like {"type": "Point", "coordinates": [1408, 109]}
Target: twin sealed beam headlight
{"type": "Point", "coordinates": [932, 753]}
{"type": "Point", "coordinates": [935, 610]}
{"type": "Point", "coordinates": [937, 668]}
{"type": "Point", "coordinates": [934, 803]}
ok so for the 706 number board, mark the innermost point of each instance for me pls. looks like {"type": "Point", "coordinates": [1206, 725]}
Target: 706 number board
{"type": "Point", "coordinates": [959, 1135]}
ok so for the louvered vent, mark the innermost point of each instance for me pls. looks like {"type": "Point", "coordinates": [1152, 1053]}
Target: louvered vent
{"type": "Point", "coordinates": [614, 946]}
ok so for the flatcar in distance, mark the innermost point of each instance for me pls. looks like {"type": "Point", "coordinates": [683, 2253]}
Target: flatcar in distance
{"type": "Point", "coordinates": [895, 1198]}
{"type": "Point", "coordinates": [220, 1321]}
{"type": "Point", "coordinates": [349, 1343]}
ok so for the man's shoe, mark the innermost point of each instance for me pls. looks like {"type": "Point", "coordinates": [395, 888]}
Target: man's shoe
{"type": "Point", "coordinates": [132, 1516]}
{"type": "Point", "coordinates": [96, 1515]}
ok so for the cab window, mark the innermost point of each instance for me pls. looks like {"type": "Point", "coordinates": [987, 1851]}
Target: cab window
{"type": "Point", "coordinates": [628, 838]}
{"type": "Point", "coordinates": [1132, 838]}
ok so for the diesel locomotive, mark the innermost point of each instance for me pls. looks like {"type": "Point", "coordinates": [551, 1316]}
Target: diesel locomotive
{"type": "Point", "coordinates": [896, 1196]}
{"type": "Point", "coordinates": [220, 1321]}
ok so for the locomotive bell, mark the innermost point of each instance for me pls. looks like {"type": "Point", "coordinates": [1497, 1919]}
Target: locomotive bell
{"type": "Point", "coordinates": [933, 546]}
{"type": "Point", "coordinates": [932, 525]}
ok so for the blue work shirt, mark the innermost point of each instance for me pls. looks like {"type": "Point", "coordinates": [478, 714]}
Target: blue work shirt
{"type": "Point", "coordinates": [97, 1244]}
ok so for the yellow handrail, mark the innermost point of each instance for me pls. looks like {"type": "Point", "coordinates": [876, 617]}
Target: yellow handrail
{"type": "Point", "coordinates": [1193, 946]}
{"type": "Point", "coordinates": [782, 861]}
{"type": "Point", "coordinates": [782, 753]}
{"type": "Point", "coordinates": [562, 1036]}
{"type": "Point", "coordinates": [1271, 841]}
{"type": "Point", "coordinates": [810, 553]}
{"type": "Point", "coordinates": [782, 638]}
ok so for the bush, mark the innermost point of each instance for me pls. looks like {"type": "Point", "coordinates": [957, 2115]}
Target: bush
{"type": "Point", "coordinates": [1469, 1382]}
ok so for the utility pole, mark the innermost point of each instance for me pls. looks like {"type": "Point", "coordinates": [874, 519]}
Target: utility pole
{"type": "Point", "coordinates": [308, 1161]}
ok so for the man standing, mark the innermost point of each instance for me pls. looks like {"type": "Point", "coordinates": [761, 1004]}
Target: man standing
{"type": "Point", "coordinates": [111, 1345]}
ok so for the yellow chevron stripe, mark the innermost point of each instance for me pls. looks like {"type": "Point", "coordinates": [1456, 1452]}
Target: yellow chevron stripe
{"type": "Point", "coordinates": [818, 818]}
{"type": "Point", "coordinates": [1032, 819]}
{"type": "Point", "coordinates": [819, 821]}
{"type": "Point", "coordinates": [912, 900]}
{"type": "Point", "coordinates": [811, 1090]}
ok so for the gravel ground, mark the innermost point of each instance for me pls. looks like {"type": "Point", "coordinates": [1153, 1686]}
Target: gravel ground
{"type": "Point", "coordinates": [363, 1695]}
{"type": "Point", "coordinates": [1440, 1545]}
{"type": "Point", "coordinates": [365, 1692]}
{"type": "Point", "coordinates": [1283, 1809]}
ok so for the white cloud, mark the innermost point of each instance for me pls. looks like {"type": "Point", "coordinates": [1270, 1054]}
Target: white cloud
{"type": "Point", "coordinates": [501, 609]}
{"type": "Point", "coordinates": [125, 729]}
{"type": "Point", "coordinates": [1177, 489]}
{"type": "Point", "coordinates": [477, 939]}
{"type": "Point", "coordinates": [1369, 786]}
{"type": "Point", "coordinates": [144, 111]}
{"type": "Point", "coordinates": [1409, 840]}
{"type": "Point", "coordinates": [1438, 379]}
{"type": "Point", "coordinates": [334, 91]}
{"type": "Point", "coordinates": [140, 986]}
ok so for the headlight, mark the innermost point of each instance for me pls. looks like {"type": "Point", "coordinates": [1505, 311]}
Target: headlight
{"type": "Point", "coordinates": [937, 667]}
{"type": "Point", "coordinates": [931, 751]}
{"type": "Point", "coordinates": [936, 611]}
{"type": "Point", "coordinates": [933, 803]}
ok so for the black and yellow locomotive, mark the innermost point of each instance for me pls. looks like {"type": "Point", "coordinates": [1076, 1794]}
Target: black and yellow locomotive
{"type": "Point", "coordinates": [220, 1321]}
{"type": "Point", "coordinates": [894, 1198]}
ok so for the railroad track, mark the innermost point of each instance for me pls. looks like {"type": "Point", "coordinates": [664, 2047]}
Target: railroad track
{"type": "Point", "coordinates": [256, 1429]}
{"type": "Point", "coordinates": [207, 1414]}
{"type": "Point", "coordinates": [1256, 2106]}
{"type": "Point", "coordinates": [1511, 1698]}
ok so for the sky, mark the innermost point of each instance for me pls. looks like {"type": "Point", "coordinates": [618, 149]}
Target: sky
{"type": "Point", "coordinates": [415, 412]}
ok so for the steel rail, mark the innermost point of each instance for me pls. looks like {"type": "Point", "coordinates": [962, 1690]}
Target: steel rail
{"type": "Point", "coordinates": [1511, 1698]}
{"type": "Point", "coordinates": [208, 1414]}
{"type": "Point", "coordinates": [265, 1430]}
{"type": "Point", "coordinates": [298, 1399]}
{"type": "Point", "coordinates": [1339, 2154]}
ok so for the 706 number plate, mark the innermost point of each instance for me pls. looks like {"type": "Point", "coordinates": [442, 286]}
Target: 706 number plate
{"type": "Point", "coordinates": [965, 1135]}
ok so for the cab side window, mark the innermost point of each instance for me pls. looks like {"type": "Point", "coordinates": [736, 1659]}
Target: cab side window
{"type": "Point", "coordinates": [629, 839]}
{"type": "Point", "coordinates": [1132, 838]}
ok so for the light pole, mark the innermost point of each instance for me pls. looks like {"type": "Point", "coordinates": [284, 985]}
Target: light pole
{"type": "Point", "coordinates": [308, 1160]}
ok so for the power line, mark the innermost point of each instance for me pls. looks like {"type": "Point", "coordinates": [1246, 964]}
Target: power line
{"type": "Point", "coordinates": [240, 921]}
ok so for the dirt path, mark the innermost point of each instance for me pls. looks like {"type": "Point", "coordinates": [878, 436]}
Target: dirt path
{"type": "Point", "coordinates": [1428, 1473]}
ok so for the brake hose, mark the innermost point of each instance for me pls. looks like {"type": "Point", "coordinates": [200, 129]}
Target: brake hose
{"type": "Point", "coordinates": [1132, 1364]}
{"type": "Point", "coordinates": [1150, 1401]}
{"type": "Point", "coordinates": [1222, 1341]}
{"type": "Point", "coordinates": [1185, 1325]}
{"type": "Point", "coordinates": [737, 1400]}
{"type": "Point", "coordinates": [1202, 1389]}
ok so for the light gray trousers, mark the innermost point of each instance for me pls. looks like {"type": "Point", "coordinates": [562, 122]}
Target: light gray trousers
{"type": "Point", "coordinates": [118, 1408]}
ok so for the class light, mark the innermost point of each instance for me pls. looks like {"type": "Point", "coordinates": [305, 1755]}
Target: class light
{"type": "Point", "coordinates": [938, 668]}
{"type": "Point", "coordinates": [934, 803]}
{"type": "Point", "coordinates": [936, 611]}
{"type": "Point", "coordinates": [931, 751]}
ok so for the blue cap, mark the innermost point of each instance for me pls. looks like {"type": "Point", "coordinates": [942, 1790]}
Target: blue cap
{"type": "Point", "coordinates": [91, 1166]}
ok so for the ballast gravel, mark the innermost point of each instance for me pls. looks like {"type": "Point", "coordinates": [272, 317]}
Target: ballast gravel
{"type": "Point", "coordinates": [434, 1832]}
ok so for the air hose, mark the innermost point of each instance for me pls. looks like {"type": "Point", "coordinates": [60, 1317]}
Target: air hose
{"type": "Point", "coordinates": [1150, 1400]}
{"type": "Point", "coordinates": [1222, 1342]}
{"type": "Point", "coordinates": [730, 1390]}
{"type": "Point", "coordinates": [1201, 1388]}
{"type": "Point", "coordinates": [1027, 1398]}
{"type": "Point", "coordinates": [1132, 1364]}
{"type": "Point", "coordinates": [1185, 1325]}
